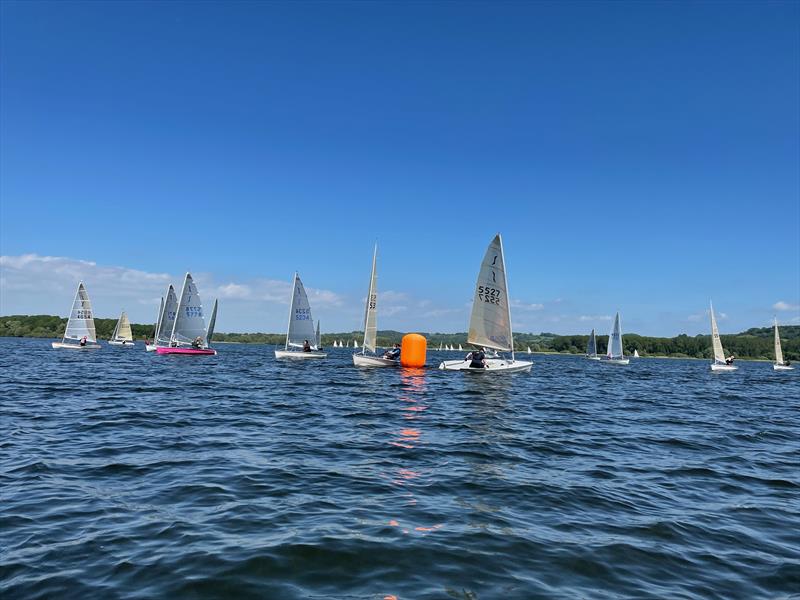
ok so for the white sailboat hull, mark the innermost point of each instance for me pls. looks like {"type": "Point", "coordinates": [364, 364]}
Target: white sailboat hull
{"type": "Point", "coordinates": [492, 365]}
{"type": "Point", "coordinates": [614, 361]}
{"type": "Point", "coordinates": [592, 358]}
{"type": "Point", "coordinates": [782, 368]}
{"type": "Point", "coordinates": [125, 343]}
{"type": "Point", "coordinates": [363, 360]}
{"type": "Point", "coordinates": [64, 346]}
{"type": "Point", "coordinates": [718, 367]}
{"type": "Point", "coordinates": [298, 354]}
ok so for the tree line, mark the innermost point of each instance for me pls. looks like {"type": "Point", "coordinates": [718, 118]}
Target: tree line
{"type": "Point", "coordinates": [753, 343]}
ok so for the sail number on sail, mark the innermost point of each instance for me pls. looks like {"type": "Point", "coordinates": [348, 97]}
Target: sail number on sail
{"type": "Point", "coordinates": [489, 294]}
{"type": "Point", "coordinates": [194, 311]}
{"type": "Point", "coordinates": [372, 300]}
{"type": "Point", "coordinates": [83, 314]}
{"type": "Point", "coordinates": [302, 314]}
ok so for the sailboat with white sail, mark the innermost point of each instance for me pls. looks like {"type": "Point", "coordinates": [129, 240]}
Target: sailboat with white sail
{"type": "Point", "coordinates": [719, 363]}
{"type": "Point", "coordinates": [80, 333]}
{"type": "Point", "coordinates": [189, 335]}
{"type": "Point", "coordinates": [301, 327]}
{"type": "Point", "coordinates": [122, 336]}
{"type": "Point", "coordinates": [529, 350]}
{"type": "Point", "coordinates": [780, 364]}
{"type": "Point", "coordinates": [212, 323]}
{"type": "Point", "coordinates": [460, 349]}
{"type": "Point", "coordinates": [151, 347]}
{"type": "Point", "coordinates": [490, 321]}
{"type": "Point", "coordinates": [636, 354]}
{"type": "Point", "coordinates": [615, 355]}
{"type": "Point", "coordinates": [591, 347]}
{"type": "Point", "coordinates": [363, 359]}
{"type": "Point", "coordinates": [166, 319]}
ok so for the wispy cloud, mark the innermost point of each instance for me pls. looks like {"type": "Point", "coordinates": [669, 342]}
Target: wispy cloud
{"type": "Point", "coordinates": [526, 306]}
{"type": "Point", "coordinates": [594, 318]}
{"type": "Point", "coordinates": [785, 306]}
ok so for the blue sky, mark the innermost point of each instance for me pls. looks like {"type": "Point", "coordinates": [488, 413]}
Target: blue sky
{"type": "Point", "coordinates": [639, 157]}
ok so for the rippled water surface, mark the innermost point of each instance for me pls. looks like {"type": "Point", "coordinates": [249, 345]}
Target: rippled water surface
{"type": "Point", "coordinates": [126, 474]}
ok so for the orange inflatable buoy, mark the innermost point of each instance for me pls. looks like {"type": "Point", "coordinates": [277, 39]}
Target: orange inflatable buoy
{"type": "Point", "coordinates": [412, 350]}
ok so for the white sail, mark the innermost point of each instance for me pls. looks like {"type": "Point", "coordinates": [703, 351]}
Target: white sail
{"type": "Point", "coordinates": [168, 312]}
{"type": "Point", "coordinates": [529, 349]}
{"type": "Point", "coordinates": [591, 348]}
{"type": "Point", "coordinates": [355, 344]}
{"type": "Point", "coordinates": [716, 343]}
{"type": "Point", "coordinates": [122, 332]}
{"type": "Point", "coordinates": [211, 323]}
{"type": "Point", "coordinates": [189, 321]}
{"type": "Point", "coordinates": [490, 322]}
{"type": "Point", "coordinates": [635, 354]}
{"type": "Point", "coordinates": [778, 351]}
{"type": "Point", "coordinates": [318, 336]}
{"type": "Point", "coordinates": [615, 340]}
{"type": "Point", "coordinates": [301, 324]}
{"type": "Point", "coordinates": [460, 349]}
{"type": "Point", "coordinates": [81, 319]}
{"type": "Point", "coordinates": [158, 319]}
{"type": "Point", "coordinates": [371, 307]}
{"type": "Point", "coordinates": [440, 346]}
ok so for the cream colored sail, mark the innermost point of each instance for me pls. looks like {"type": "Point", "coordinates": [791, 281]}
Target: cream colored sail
{"type": "Point", "coordinates": [490, 322]}
{"type": "Point", "coordinates": [716, 343]}
{"type": "Point", "coordinates": [778, 350]}
{"type": "Point", "coordinates": [123, 332]}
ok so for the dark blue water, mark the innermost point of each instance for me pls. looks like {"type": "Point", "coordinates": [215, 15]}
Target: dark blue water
{"type": "Point", "coordinates": [130, 475]}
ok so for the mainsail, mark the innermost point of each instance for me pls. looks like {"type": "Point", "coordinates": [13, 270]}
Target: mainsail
{"type": "Point", "coordinates": [211, 323]}
{"type": "Point", "coordinates": [189, 321]}
{"type": "Point", "coordinates": [301, 325]}
{"type": "Point", "coordinates": [490, 322]}
{"type": "Point", "coordinates": [167, 319]}
{"type": "Point", "coordinates": [81, 320]}
{"type": "Point", "coordinates": [716, 343]}
{"type": "Point", "coordinates": [615, 340]}
{"type": "Point", "coordinates": [591, 348]}
{"type": "Point", "coordinates": [122, 332]}
{"type": "Point", "coordinates": [371, 308]}
{"type": "Point", "coordinates": [778, 351]}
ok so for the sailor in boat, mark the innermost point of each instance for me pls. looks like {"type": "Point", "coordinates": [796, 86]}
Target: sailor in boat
{"type": "Point", "coordinates": [393, 354]}
{"type": "Point", "coordinates": [730, 359]}
{"type": "Point", "coordinates": [477, 359]}
{"type": "Point", "coordinates": [83, 341]}
{"type": "Point", "coordinates": [198, 342]}
{"type": "Point", "coordinates": [306, 346]}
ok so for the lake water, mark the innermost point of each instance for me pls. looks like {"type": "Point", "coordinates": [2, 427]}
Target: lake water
{"type": "Point", "coordinates": [130, 475]}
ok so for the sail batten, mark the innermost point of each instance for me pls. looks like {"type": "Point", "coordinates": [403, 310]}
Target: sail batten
{"type": "Point", "coordinates": [490, 321]}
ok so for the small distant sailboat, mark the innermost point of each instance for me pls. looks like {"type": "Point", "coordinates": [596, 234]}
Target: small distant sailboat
{"type": "Point", "coordinates": [80, 333]}
{"type": "Point", "coordinates": [460, 349]}
{"type": "Point", "coordinates": [780, 364]}
{"type": "Point", "coordinates": [189, 335]}
{"type": "Point", "coordinates": [635, 354]}
{"type": "Point", "coordinates": [529, 349]}
{"type": "Point", "coordinates": [615, 354]}
{"type": "Point", "coordinates": [719, 364]}
{"type": "Point", "coordinates": [440, 346]}
{"type": "Point", "coordinates": [591, 348]}
{"type": "Point", "coordinates": [490, 321]}
{"type": "Point", "coordinates": [301, 326]}
{"type": "Point", "coordinates": [355, 344]}
{"type": "Point", "coordinates": [371, 325]}
{"type": "Point", "coordinates": [151, 347]}
{"type": "Point", "coordinates": [122, 336]}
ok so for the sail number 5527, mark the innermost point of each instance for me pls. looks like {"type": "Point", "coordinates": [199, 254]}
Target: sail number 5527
{"type": "Point", "coordinates": [489, 294]}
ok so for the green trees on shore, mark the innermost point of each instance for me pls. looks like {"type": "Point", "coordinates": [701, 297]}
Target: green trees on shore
{"type": "Point", "coordinates": [753, 343]}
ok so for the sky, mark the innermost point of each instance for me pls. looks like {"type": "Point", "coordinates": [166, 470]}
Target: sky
{"type": "Point", "coordinates": [636, 156]}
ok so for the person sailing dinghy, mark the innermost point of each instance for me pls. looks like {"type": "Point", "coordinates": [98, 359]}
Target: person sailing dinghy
{"type": "Point", "coordinates": [363, 359]}
{"type": "Point", "coordinates": [490, 322]}
{"type": "Point", "coordinates": [122, 336]}
{"type": "Point", "coordinates": [189, 333]}
{"type": "Point", "coordinates": [720, 363]}
{"type": "Point", "coordinates": [301, 327]}
{"type": "Point", "coordinates": [780, 364]}
{"type": "Point", "coordinates": [79, 333]}
{"type": "Point", "coordinates": [615, 354]}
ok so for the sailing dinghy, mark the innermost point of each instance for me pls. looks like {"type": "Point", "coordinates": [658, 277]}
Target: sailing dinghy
{"type": "Point", "coordinates": [301, 326]}
{"type": "Point", "coordinates": [529, 349]}
{"type": "Point", "coordinates": [189, 334]}
{"type": "Point", "coordinates": [591, 347]}
{"type": "Point", "coordinates": [780, 364]}
{"type": "Point", "coordinates": [122, 336]}
{"type": "Point", "coordinates": [80, 324]}
{"type": "Point", "coordinates": [490, 322]}
{"type": "Point", "coordinates": [615, 355]}
{"type": "Point", "coordinates": [363, 359]}
{"type": "Point", "coordinates": [719, 364]}
{"type": "Point", "coordinates": [152, 346]}
{"type": "Point", "coordinates": [635, 354]}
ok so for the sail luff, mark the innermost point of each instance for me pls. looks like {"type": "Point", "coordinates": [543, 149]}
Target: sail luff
{"type": "Point", "coordinates": [778, 350]}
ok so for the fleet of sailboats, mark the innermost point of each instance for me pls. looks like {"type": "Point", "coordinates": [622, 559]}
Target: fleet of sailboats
{"type": "Point", "coordinates": [80, 333]}
{"type": "Point", "coordinates": [301, 327]}
{"type": "Point", "coordinates": [122, 336]}
{"type": "Point", "coordinates": [490, 321]}
{"type": "Point", "coordinates": [363, 359]}
{"type": "Point", "coordinates": [189, 334]}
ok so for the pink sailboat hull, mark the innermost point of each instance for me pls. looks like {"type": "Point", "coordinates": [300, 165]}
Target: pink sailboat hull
{"type": "Point", "coordinates": [201, 351]}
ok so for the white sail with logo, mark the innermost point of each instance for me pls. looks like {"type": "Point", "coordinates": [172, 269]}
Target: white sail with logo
{"type": "Point", "coordinates": [211, 323]}
{"type": "Point", "coordinates": [716, 342]}
{"type": "Point", "coordinates": [490, 322]}
{"type": "Point", "coordinates": [301, 324]}
{"type": "Point", "coordinates": [189, 322]}
{"type": "Point", "coordinates": [167, 321]}
{"type": "Point", "coordinates": [615, 340]}
{"type": "Point", "coordinates": [81, 319]}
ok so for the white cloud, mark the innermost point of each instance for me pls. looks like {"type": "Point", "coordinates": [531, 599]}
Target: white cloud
{"type": "Point", "coordinates": [519, 305]}
{"type": "Point", "coordinates": [233, 290]}
{"type": "Point", "coordinates": [781, 305]}
{"type": "Point", "coordinates": [594, 318]}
